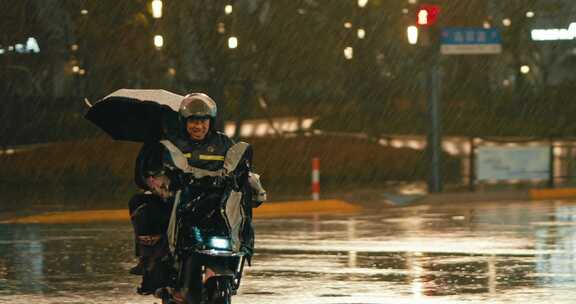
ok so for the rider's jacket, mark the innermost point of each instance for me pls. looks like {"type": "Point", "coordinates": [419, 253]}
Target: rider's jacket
{"type": "Point", "coordinates": [155, 158]}
{"type": "Point", "coordinates": [217, 169]}
{"type": "Point", "coordinates": [206, 154]}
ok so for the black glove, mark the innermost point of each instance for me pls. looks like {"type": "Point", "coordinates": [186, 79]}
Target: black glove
{"type": "Point", "coordinates": [224, 182]}
{"type": "Point", "coordinates": [207, 181]}
{"type": "Point", "coordinates": [178, 179]}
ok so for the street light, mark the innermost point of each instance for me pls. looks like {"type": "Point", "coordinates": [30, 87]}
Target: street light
{"type": "Point", "coordinates": [361, 33]}
{"type": "Point", "coordinates": [157, 9]}
{"type": "Point", "coordinates": [158, 41]}
{"type": "Point", "coordinates": [228, 9]}
{"type": "Point", "coordinates": [348, 52]}
{"type": "Point", "coordinates": [362, 3]}
{"type": "Point", "coordinates": [525, 69]}
{"type": "Point", "coordinates": [232, 42]}
{"type": "Point", "coordinates": [412, 33]}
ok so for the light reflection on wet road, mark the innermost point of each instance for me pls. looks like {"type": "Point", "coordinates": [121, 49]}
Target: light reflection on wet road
{"type": "Point", "coordinates": [481, 253]}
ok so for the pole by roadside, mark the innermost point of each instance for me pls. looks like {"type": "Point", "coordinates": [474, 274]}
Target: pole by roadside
{"type": "Point", "coordinates": [434, 144]}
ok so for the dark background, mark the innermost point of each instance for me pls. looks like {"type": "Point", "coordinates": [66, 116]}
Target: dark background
{"type": "Point", "coordinates": [290, 55]}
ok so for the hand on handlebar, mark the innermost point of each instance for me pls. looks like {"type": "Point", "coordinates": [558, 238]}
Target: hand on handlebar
{"type": "Point", "coordinates": [159, 185]}
{"type": "Point", "coordinates": [212, 181]}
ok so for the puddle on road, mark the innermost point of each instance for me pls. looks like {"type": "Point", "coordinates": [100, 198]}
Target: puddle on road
{"type": "Point", "coordinates": [438, 256]}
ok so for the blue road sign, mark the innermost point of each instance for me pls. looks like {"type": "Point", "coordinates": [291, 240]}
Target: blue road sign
{"type": "Point", "coordinates": [470, 41]}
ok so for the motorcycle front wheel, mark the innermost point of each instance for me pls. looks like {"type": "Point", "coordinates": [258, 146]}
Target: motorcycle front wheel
{"type": "Point", "coordinates": [192, 287]}
{"type": "Point", "coordinates": [219, 290]}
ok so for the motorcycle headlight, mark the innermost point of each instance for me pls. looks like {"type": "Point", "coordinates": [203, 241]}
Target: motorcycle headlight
{"type": "Point", "coordinates": [219, 243]}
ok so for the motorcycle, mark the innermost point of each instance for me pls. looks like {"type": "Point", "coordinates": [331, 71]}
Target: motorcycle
{"type": "Point", "coordinates": [206, 256]}
{"type": "Point", "coordinates": [209, 234]}
{"type": "Point", "coordinates": [208, 264]}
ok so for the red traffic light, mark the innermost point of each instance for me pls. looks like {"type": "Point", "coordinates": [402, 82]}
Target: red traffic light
{"type": "Point", "coordinates": [427, 14]}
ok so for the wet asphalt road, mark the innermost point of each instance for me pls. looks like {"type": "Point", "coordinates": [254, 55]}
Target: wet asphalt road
{"type": "Point", "coordinates": [459, 253]}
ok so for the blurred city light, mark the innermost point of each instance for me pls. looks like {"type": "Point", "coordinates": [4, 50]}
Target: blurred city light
{"type": "Point", "coordinates": [157, 9]}
{"type": "Point", "coordinates": [228, 9]}
{"type": "Point", "coordinates": [82, 72]}
{"type": "Point", "coordinates": [75, 69]}
{"type": "Point", "coordinates": [158, 41]}
{"type": "Point", "coordinates": [412, 32]}
{"type": "Point", "coordinates": [221, 28]}
{"type": "Point", "coordinates": [530, 14]}
{"type": "Point", "coordinates": [19, 47]}
{"type": "Point", "coordinates": [427, 14]}
{"type": "Point", "coordinates": [362, 3]}
{"type": "Point", "coordinates": [506, 22]}
{"type": "Point", "coordinates": [232, 42]}
{"type": "Point", "coordinates": [554, 34]}
{"type": "Point", "coordinates": [422, 17]}
{"type": "Point", "coordinates": [348, 24]}
{"type": "Point", "coordinates": [525, 69]}
{"type": "Point", "coordinates": [74, 47]}
{"type": "Point", "coordinates": [32, 45]}
{"type": "Point", "coordinates": [361, 33]}
{"type": "Point", "coordinates": [486, 25]}
{"type": "Point", "coordinates": [84, 12]}
{"type": "Point", "coordinates": [348, 52]}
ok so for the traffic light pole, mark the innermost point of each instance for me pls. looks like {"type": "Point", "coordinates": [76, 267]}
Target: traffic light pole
{"type": "Point", "coordinates": [426, 18]}
{"type": "Point", "coordinates": [434, 139]}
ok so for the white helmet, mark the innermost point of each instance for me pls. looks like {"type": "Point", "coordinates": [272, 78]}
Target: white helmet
{"type": "Point", "coordinates": [197, 105]}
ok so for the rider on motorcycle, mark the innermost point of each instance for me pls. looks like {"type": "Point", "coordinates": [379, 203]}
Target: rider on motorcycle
{"type": "Point", "coordinates": [159, 169]}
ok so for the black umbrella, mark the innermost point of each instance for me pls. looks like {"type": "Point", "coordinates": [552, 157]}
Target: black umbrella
{"type": "Point", "coordinates": [136, 115]}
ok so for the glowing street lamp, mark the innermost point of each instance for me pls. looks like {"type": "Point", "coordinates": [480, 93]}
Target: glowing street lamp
{"type": "Point", "coordinates": [232, 42]}
{"type": "Point", "coordinates": [228, 9]}
{"type": "Point", "coordinates": [348, 53]}
{"type": "Point", "coordinates": [157, 9]}
{"type": "Point", "coordinates": [361, 33]}
{"type": "Point", "coordinates": [412, 33]}
{"type": "Point", "coordinates": [525, 69]}
{"type": "Point", "coordinates": [362, 3]}
{"type": "Point", "coordinates": [158, 41]}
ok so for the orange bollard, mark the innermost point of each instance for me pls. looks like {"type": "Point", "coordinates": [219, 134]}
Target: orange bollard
{"type": "Point", "coordinates": [316, 178]}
